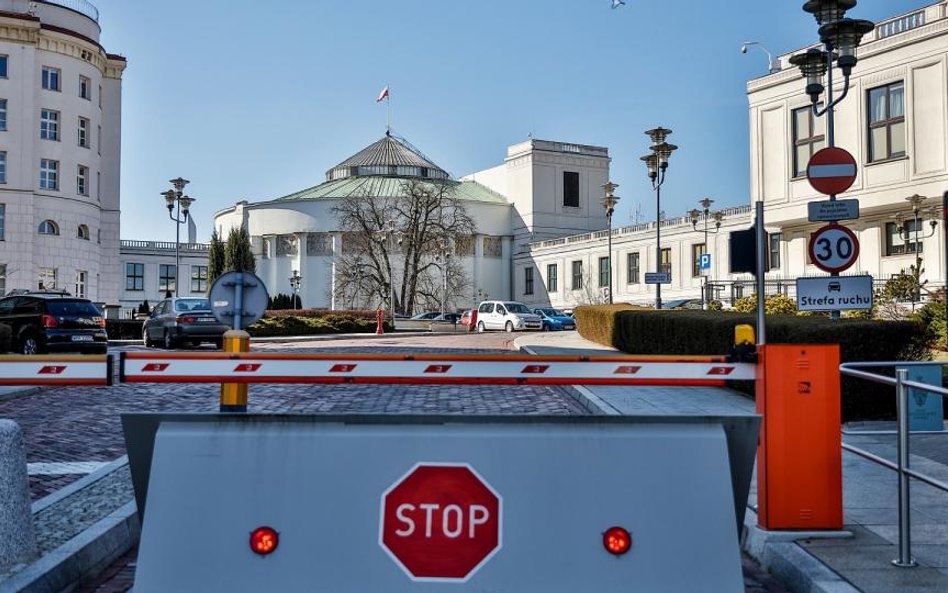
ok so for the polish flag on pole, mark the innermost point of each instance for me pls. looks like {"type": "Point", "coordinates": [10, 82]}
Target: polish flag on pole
{"type": "Point", "coordinates": [383, 95]}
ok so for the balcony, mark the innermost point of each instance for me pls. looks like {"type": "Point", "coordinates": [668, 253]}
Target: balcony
{"type": "Point", "coordinates": [163, 246]}
{"type": "Point", "coordinates": [81, 6]}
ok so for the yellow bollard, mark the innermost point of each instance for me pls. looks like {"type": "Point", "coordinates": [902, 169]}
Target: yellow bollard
{"type": "Point", "coordinates": [234, 395]}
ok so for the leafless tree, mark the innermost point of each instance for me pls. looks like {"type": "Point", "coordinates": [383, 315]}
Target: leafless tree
{"type": "Point", "coordinates": [404, 237]}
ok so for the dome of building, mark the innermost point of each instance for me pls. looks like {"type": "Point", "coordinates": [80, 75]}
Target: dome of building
{"type": "Point", "coordinates": [389, 156]}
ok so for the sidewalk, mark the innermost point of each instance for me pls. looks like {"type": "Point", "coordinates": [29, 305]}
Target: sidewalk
{"type": "Point", "coordinates": [858, 560]}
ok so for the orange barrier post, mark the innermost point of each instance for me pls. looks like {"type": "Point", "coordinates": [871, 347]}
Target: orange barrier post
{"type": "Point", "coordinates": [799, 460]}
{"type": "Point", "coordinates": [379, 322]}
{"type": "Point", "coordinates": [234, 395]}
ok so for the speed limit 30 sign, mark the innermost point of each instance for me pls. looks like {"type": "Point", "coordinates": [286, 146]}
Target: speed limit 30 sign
{"type": "Point", "coordinates": [833, 248]}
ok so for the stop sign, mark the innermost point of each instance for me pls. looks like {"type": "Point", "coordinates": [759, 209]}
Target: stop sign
{"type": "Point", "coordinates": [440, 522]}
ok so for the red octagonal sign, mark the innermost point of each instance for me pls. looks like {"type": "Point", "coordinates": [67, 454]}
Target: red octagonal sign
{"type": "Point", "coordinates": [440, 522]}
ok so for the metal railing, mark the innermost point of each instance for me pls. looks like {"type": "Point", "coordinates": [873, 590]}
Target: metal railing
{"type": "Point", "coordinates": [81, 6]}
{"type": "Point", "coordinates": [902, 385]}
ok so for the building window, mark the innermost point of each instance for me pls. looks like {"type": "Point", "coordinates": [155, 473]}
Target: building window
{"type": "Point", "coordinates": [3, 166]}
{"type": "Point", "coordinates": [632, 268]}
{"type": "Point", "coordinates": [894, 242]}
{"type": "Point", "coordinates": [49, 124]}
{"type": "Point", "coordinates": [528, 281]}
{"type": "Point", "coordinates": [493, 247]}
{"type": "Point", "coordinates": [134, 276]}
{"type": "Point", "coordinates": [3, 114]}
{"type": "Point", "coordinates": [3, 74]}
{"type": "Point", "coordinates": [199, 279]}
{"type": "Point", "coordinates": [46, 279]}
{"type": "Point", "coordinates": [887, 122]}
{"type": "Point", "coordinates": [49, 174]}
{"type": "Point", "coordinates": [83, 232]}
{"type": "Point", "coordinates": [100, 96]}
{"type": "Point", "coordinates": [774, 251]}
{"type": "Point", "coordinates": [83, 132]}
{"type": "Point", "coordinates": [51, 78]}
{"type": "Point", "coordinates": [571, 189]}
{"type": "Point", "coordinates": [551, 281]}
{"type": "Point", "coordinates": [85, 88]}
{"type": "Point", "coordinates": [286, 245]}
{"type": "Point", "coordinates": [577, 275]}
{"type": "Point", "coordinates": [464, 245]}
{"type": "Point", "coordinates": [319, 244]}
{"type": "Point", "coordinates": [604, 271]}
{"type": "Point", "coordinates": [98, 140]}
{"type": "Point", "coordinates": [3, 225]}
{"type": "Point", "coordinates": [98, 185]}
{"type": "Point", "coordinates": [82, 180]}
{"type": "Point", "coordinates": [166, 277]}
{"type": "Point", "coordinates": [666, 260]}
{"type": "Point", "coordinates": [81, 277]}
{"type": "Point", "coordinates": [697, 250]}
{"type": "Point", "coordinates": [808, 137]}
{"type": "Point", "coordinates": [48, 227]}
{"type": "Point", "coordinates": [3, 279]}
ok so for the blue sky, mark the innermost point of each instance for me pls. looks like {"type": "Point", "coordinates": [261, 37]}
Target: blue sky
{"type": "Point", "coordinates": [255, 100]}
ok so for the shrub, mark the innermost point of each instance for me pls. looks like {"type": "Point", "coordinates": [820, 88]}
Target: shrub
{"type": "Point", "coordinates": [776, 304]}
{"type": "Point", "coordinates": [597, 322]}
{"type": "Point", "coordinates": [706, 332]}
{"type": "Point", "coordinates": [285, 324]}
{"type": "Point", "coordinates": [932, 316]}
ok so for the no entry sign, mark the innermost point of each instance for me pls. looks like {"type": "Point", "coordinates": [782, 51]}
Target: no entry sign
{"type": "Point", "coordinates": [440, 522]}
{"type": "Point", "coordinates": [833, 248]}
{"type": "Point", "coordinates": [831, 171]}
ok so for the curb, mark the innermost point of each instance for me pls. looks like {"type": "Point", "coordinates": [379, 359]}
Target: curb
{"type": "Point", "coordinates": [89, 552]}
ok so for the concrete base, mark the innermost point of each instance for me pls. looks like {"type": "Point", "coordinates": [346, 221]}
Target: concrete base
{"type": "Point", "coordinates": [17, 538]}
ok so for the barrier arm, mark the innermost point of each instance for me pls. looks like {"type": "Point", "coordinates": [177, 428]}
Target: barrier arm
{"type": "Point", "coordinates": [33, 371]}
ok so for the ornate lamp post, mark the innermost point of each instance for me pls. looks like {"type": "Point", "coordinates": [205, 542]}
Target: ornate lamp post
{"type": "Point", "coordinates": [609, 202]}
{"type": "Point", "coordinates": [391, 236]}
{"type": "Point", "coordinates": [657, 164]}
{"type": "Point", "coordinates": [707, 216]}
{"type": "Point", "coordinates": [295, 280]}
{"type": "Point", "coordinates": [174, 198]}
{"type": "Point", "coordinates": [906, 233]}
{"type": "Point", "coordinates": [443, 257]}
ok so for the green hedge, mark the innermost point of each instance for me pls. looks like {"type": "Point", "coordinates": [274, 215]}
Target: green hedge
{"type": "Point", "coordinates": [709, 332]}
{"type": "Point", "coordinates": [285, 325]}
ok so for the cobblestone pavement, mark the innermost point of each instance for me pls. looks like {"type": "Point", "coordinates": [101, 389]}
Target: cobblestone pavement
{"type": "Point", "coordinates": [82, 424]}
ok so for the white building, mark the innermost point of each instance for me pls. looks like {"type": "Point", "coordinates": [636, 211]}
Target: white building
{"type": "Point", "coordinates": [60, 141]}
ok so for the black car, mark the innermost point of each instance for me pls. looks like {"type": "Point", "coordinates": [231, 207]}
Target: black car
{"type": "Point", "coordinates": [182, 320]}
{"type": "Point", "coordinates": [44, 322]}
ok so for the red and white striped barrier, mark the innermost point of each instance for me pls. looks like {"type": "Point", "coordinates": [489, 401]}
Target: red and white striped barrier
{"type": "Point", "coordinates": [139, 367]}
{"type": "Point", "coordinates": [55, 370]}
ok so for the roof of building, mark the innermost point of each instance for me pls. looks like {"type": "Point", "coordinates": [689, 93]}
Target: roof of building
{"type": "Point", "coordinates": [389, 155]}
{"type": "Point", "coordinates": [381, 186]}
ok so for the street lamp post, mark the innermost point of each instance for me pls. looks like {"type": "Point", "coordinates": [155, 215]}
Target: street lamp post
{"type": "Point", "coordinates": [657, 164]}
{"type": "Point", "coordinates": [706, 215]}
{"type": "Point", "coordinates": [905, 234]}
{"type": "Point", "coordinates": [840, 37]}
{"type": "Point", "coordinates": [175, 198]}
{"type": "Point", "coordinates": [609, 202]}
{"type": "Point", "coordinates": [443, 257]}
{"type": "Point", "coordinates": [390, 235]}
{"type": "Point", "coordinates": [295, 280]}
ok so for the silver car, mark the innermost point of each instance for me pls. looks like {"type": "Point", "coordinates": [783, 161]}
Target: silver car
{"type": "Point", "coordinates": [182, 321]}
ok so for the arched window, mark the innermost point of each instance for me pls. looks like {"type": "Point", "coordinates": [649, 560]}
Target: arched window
{"type": "Point", "coordinates": [48, 227]}
{"type": "Point", "coordinates": [83, 232]}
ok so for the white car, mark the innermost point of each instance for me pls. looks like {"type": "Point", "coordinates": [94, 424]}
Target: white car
{"type": "Point", "coordinates": [506, 315]}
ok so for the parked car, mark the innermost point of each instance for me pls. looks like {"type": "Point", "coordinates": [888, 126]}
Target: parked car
{"type": "Point", "coordinates": [449, 317]}
{"type": "Point", "coordinates": [182, 320]}
{"type": "Point", "coordinates": [506, 315]}
{"type": "Point", "coordinates": [426, 316]}
{"type": "Point", "coordinates": [554, 319]}
{"type": "Point", "coordinates": [44, 322]}
{"type": "Point", "coordinates": [682, 304]}
{"type": "Point", "coordinates": [466, 317]}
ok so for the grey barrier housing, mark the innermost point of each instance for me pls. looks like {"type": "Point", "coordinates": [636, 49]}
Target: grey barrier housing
{"type": "Point", "coordinates": [678, 484]}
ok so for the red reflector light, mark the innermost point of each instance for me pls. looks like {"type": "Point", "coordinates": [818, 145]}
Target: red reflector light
{"type": "Point", "coordinates": [617, 540]}
{"type": "Point", "coordinates": [264, 540]}
{"type": "Point", "coordinates": [49, 321]}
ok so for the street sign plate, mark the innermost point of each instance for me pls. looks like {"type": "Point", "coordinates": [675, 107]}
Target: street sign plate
{"type": "Point", "coordinates": [704, 262]}
{"type": "Point", "coordinates": [834, 293]}
{"type": "Point", "coordinates": [658, 277]}
{"type": "Point", "coordinates": [831, 171]}
{"type": "Point", "coordinates": [833, 248]}
{"type": "Point", "coordinates": [833, 210]}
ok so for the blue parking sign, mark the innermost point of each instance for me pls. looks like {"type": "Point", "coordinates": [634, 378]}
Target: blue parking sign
{"type": "Point", "coordinates": [704, 262]}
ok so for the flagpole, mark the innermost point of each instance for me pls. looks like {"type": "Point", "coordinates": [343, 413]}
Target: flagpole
{"type": "Point", "coordinates": [388, 109]}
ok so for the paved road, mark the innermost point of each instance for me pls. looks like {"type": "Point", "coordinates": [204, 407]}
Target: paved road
{"type": "Point", "coordinates": [74, 429]}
